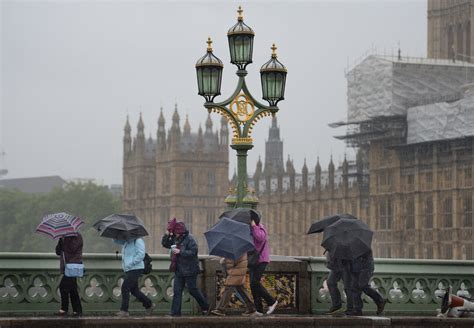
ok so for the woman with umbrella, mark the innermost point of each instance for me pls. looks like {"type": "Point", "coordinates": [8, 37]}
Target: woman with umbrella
{"type": "Point", "coordinates": [127, 230]}
{"type": "Point", "coordinates": [184, 264]}
{"type": "Point", "coordinates": [69, 249]}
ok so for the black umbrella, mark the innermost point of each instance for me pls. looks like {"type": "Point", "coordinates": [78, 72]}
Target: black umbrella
{"type": "Point", "coordinates": [121, 226]}
{"type": "Point", "coordinates": [347, 239]}
{"type": "Point", "coordinates": [244, 215]}
{"type": "Point", "coordinates": [229, 239]}
{"type": "Point", "coordinates": [322, 224]}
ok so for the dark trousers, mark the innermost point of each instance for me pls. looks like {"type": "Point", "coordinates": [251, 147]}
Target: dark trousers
{"type": "Point", "coordinates": [68, 289]}
{"type": "Point", "coordinates": [360, 283]}
{"type": "Point", "coordinates": [179, 283]}
{"type": "Point", "coordinates": [130, 285]}
{"type": "Point", "coordinates": [227, 294]}
{"type": "Point", "coordinates": [258, 291]}
{"type": "Point", "coordinates": [333, 279]}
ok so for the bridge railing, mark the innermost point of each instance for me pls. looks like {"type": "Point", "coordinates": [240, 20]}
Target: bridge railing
{"type": "Point", "coordinates": [29, 284]}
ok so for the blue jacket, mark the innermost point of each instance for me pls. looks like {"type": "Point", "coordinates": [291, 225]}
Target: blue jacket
{"type": "Point", "coordinates": [133, 253]}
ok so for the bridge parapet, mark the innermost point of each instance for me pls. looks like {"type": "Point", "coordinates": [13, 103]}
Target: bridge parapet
{"type": "Point", "coordinates": [29, 284]}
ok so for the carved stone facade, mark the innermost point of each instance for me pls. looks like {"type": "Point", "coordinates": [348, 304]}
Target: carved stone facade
{"type": "Point", "coordinates": [450, 31]}
{"type": "Point", "coordinates": [179, 174]}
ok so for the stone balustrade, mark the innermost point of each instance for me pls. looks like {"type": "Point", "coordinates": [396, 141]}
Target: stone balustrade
{"type": "Point", "coordinates": [29, 284]}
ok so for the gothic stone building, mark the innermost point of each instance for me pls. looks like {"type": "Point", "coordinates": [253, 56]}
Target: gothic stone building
{"type": "Point", "coordinates": [179, 174]}
{"type": "Point", "coordinates": [412, 123]}
{"type": "Point", "coordinates": [450, 29]}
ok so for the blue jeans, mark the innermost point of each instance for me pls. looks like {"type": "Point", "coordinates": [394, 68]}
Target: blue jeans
{"type": "Point", "coordinates": [190, 282]}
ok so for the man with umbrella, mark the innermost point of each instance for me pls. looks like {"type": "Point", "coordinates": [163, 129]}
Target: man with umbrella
{"type": "Point", "coordinates": [127, 230]}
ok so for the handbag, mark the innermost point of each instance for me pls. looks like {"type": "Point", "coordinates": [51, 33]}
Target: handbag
{"type": "Point", "coordinates": [73, 270]}
{"type": "Point", "coordinates": [253, 257]}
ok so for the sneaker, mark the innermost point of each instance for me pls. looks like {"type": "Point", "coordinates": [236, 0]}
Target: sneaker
{"type": "Point", "coordinates": [122, 314]}
{"type": "Point", "coordinates": [357, 313]}
{"type": "Point", "coordinates": [334, 310]}
{"type": "Point", "coordinates": [218, 313]}
{"type": "Point", "coordinates": [381, 307]}
{"type": "Point", "coordinates": [248, 313]}
{"type": "Point", "coordinates": [272, 307]}
{"type": "Point", "coordinates": [348, 312]}
{"type": "Point", "coordinates": [205, 313]}
{"type": "Point", "coordinates": [77, 314]}
{"type": "Point", "coordinates": [149, 310]}
{"type": "Point", "coordinates": [256, 314]}
{"type": "Point", "coordinates": [61, 313]}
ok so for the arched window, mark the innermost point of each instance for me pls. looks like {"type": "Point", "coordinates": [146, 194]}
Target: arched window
{"type": "Point", "coordinates": [211, 182]}
{"type": "Point", "coordinates": [467, 210]}
{"type": "Point", "coordinates": [188, 182]}
{"type": "Point", "coordinates": [450, 44]}
{"type": "Point", "coordinates": [448, 212]}
{"type": "Point", "coordinates": [460, 43]}
{"type": "Point", "coordinates": [428, 211]}
{"type": "Point", "coordinates": [468, 40]}
{"type": "Point", "coordinates": [410, 216]}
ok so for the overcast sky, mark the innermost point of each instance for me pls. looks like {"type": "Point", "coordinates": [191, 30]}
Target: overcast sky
{"type": "Point", "coordinates": [72, 70]}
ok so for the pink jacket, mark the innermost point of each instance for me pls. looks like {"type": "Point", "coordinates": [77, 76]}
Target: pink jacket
{"type": "Point", "coordinates": [259, 237]}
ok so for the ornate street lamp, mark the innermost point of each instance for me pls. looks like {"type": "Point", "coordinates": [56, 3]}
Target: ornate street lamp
{"type": "Point", "coordinates": [240, 42]}
{"type": "Point", "coordinates": [209, 74]}
{"type": "Point", "coordinates": [241, 109]}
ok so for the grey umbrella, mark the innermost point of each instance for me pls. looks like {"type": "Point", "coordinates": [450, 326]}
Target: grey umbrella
{"type": "Point", "coordinates": [322, 224]}
{"type": "Point", "coordinates": [229, 239]}
{"type": "Point", "coordinates": [347, 239]}
{"type": "Point", "coordinates": [121, 226]}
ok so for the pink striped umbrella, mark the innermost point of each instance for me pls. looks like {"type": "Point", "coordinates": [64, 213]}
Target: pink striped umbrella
{"type": "Point", "coordinates": [59, 225]}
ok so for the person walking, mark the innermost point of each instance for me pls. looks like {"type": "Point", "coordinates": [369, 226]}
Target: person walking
{"type": "Point", "coordinates": [184, 264]}
{"type": "Point", "coordinates": [235, 280]}
{"type": "Point", "coordinates": [257, 269]}
{"type": "Point", "coordinates": [69, 250]}
{"type": "Point", "coordinates": [133, 253]}
{"type": "Point", "coordinates": [339, 269]}
{"type": "Point", "coordinates": [362, 270]}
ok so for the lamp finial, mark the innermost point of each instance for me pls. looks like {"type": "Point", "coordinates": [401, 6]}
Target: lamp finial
{"type": "Point", "coordinates": [240, 11]}
{"type": "Point", "coordinates": [209, 44]}
{"type": "Point", "coordinates": [274, 48]}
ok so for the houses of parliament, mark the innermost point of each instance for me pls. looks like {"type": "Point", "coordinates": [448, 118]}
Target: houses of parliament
{"type": "Point", "coordinates": [411, 122]}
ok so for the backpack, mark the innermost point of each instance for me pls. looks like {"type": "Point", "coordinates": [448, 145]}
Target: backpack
{"type": "Point", "coordinates": [147, 262]}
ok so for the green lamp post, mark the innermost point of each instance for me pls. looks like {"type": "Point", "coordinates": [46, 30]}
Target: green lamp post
{"type": "Point", "coordinates": [241, 109]}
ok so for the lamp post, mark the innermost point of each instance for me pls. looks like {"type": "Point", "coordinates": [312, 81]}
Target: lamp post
{"type": "Point", "coordinates": [241, 109]}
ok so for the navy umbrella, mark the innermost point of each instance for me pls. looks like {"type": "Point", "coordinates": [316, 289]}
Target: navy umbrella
{"type": "Point", "coordinates": [244, 215]}
{"type": "Point", "coordinates": [322, 224]}
{"type": "Point", "coordinates": [121, 226]}
{"type": "Point", "coordinates": [229, 239]}
{"type": "Point", "coordinates": [347, 239]}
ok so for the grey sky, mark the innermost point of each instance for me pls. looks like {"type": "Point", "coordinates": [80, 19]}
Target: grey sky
{"type": "Point", "coordinates": [72, 70]}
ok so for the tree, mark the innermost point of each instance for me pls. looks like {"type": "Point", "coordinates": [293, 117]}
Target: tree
{"type": "Point", "coordinates": [20, 213]}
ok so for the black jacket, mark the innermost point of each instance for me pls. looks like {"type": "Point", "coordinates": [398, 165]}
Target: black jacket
{"type": "Point", "coordinates": [187, 263]}
{"type": "Point", "coordinates": [363, 263]}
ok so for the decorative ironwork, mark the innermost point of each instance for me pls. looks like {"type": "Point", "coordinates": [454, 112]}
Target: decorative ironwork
{"type": "Point", "coordinates": [242, 107]}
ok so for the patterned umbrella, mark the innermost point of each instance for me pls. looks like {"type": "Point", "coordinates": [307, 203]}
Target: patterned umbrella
{"type": "Point", "coordinates": [59, 225]}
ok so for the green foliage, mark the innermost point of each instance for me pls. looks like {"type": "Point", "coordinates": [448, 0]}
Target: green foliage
{"type": "Point", "coordinates": [20, 213]}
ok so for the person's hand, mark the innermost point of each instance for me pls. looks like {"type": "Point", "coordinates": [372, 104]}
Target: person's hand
{"type": "Point", "coordinates": [176, 250]}
{"type": "Point", "coordinates": [222, 260]}
{"type": "Point", "coordinates": [253, 223]}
